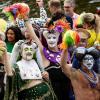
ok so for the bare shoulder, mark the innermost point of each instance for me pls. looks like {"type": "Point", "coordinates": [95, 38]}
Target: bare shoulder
{"type": "Point", "coordinates": [71, 72]}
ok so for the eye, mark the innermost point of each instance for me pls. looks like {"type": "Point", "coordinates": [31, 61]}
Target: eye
{"type": "Point", "coordinates": [54, 37]}
{"type": "Point", "coordinates": [26, 49]}
{"type": "Point", "coordinates": [91, 58]}
{"type": "Point", "coordinates": [31, 49]}
{"type": "Point", "coordinates": [49, 37]}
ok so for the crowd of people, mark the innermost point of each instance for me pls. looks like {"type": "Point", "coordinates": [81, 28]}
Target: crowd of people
{"type": "Point", "coordinates": [51, 58]}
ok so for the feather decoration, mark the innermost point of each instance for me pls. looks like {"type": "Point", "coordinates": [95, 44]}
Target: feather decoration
{"type": "Point", "coordinates": [79, 22]}
{"type": "Point", "coordinates": [70, 38]}
{"type": "Point", "coordinates": [16, 10]}
{"type": "Point", "coordinates": [60, 26]}
{"type": "Point", "coordinates": [3, 25]}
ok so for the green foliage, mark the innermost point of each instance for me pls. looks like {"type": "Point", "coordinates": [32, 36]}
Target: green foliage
{"type": "Point", "coordinates": [81, 5]}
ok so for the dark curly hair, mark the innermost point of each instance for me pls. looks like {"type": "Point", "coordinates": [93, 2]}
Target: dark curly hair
{"type": "Point", "coordinates": [17, 31]}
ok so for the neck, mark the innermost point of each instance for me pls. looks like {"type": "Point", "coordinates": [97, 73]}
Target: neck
{"type": "Point", "coordinates": [86, 70]}
{"type": "Point", "coordinates": [71, 14]}
{"type": "Point", "coordinates": [54, 49]}
{"type": "Point", "coordinates": [26, 60]}
{"type": "Point", "coordinates": [13, 42]}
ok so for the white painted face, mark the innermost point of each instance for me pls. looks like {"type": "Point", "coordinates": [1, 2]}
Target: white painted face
{"type": "Point", "coordinates": [52, 40]}
{"type": "Point", "coordinates": [28, 51]}
{"type": "Point", "coordinates": [88, 61]}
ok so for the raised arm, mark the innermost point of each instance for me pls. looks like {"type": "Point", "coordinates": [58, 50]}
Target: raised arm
{"type": "Point", "coordinates": [36, 39]}
{"type": "Point", "coordinates": [43, 13]}
{"type": "Point", "coordinates": [67, 68]}
{"type": "Point", "coordinates": [33, 35]}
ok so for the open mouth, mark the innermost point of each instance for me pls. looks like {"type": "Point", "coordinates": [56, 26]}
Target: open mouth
{"type": "Point", "coordinates": [52, 43]}
{"type": "Point", "coordinates": [89, 64]}
{"type": "Point", "coordinates": [29, 54]}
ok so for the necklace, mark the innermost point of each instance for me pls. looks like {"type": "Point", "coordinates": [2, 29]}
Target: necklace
{"type": "Point", "coordinates": [92, 81]}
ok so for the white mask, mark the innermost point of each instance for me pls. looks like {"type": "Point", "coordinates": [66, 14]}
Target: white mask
{"type": "Point", "coordinates": [88, 61]}
{"type": "Point", "coordinates": [28, 51]}
{"type": "Point", "coordinates": [52, 40]}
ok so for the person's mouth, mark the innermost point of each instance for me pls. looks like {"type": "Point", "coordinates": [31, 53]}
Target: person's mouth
{"type": "Point", "coordinates": [29, 54]}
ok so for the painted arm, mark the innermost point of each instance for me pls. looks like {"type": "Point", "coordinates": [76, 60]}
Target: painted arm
{"type": "Point", "coordinates": [43, 13]}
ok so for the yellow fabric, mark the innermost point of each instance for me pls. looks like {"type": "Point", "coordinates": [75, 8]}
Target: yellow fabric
{"type": "Point", "coordinates": [92, 39]}
{"type": "Point", "coordinates": [98, 39]}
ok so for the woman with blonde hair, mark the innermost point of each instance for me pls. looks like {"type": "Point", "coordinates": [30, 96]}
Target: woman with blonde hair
{"type": "Point", "coordinates": [92, 23]}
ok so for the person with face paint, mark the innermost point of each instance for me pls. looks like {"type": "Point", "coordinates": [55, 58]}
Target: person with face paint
{"type": "Point", "coordinates": [51, 55]}
{"type": "Point", "coordinates": [86, 83]}
{"type": "Point", "coordinates": [28, 82]}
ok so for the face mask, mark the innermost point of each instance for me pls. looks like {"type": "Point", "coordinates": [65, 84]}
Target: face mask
{"type": "Point", "coordinates": [28, 52]}
{"type": "Point", "coordinates": [52, 40]}
{"type": "Point", "coordinates": [88, 61]}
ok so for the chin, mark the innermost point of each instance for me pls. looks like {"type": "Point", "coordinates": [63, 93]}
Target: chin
{"type": "Point", "coordinates": [52, 47]}
{"type": "Point", "coordinates": [29, 58]}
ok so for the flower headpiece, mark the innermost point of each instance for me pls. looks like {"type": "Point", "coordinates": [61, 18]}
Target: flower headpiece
{"type": "Point", "coordinates": [60, 26]}
{"type": "Point", "coordinates": [16, 10]}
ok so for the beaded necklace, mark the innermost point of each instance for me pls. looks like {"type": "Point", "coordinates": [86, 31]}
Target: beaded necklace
{"type": "Point", "coordinates": [92, 81]}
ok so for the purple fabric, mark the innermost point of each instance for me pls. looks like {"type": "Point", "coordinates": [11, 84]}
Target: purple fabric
{"type": "Point", "coordinates": [54, 57]}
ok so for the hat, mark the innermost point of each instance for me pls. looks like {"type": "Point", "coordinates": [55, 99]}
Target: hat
{"type": "Point", "coordinates": [82, 51]}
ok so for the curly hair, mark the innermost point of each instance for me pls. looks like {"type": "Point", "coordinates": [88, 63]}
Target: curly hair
{"type": "Point", "coordinates": [17, 32]}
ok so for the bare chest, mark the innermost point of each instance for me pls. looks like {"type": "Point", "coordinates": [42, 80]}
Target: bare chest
{"type": "Point", "coordinates": [83, 89]}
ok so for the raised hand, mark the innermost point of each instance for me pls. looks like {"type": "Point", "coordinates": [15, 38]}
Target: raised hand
{"type": "Point", "coordinates": [18, 44]}
{"type": "Point", "coordinates": [40, 3]}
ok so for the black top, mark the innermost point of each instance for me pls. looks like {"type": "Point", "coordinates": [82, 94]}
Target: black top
{"type": "Point", "coordinates": [60, 83]}
{"type": "Point", "coordinates": [2, 74]}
